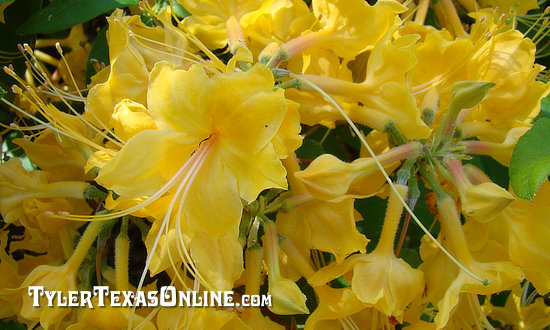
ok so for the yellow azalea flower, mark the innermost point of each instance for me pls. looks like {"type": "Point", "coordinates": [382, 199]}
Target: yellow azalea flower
{"type": "Point", "coordinates": [517, 234]}
{"type": "Point", "coordinates": [481, 202]}
{"type": "Point", "coordinates": [510, 64]}
{"type": "Point", "coordinates": [210, 19]}
{"type": "Point", "coordinates": [287, 297]}
{"type": "Point", "coordinates": [133, 51]}
{"type": "Point", "coordinates": [526, 225]}
{"type": "Point", "coordinates": [275, 21]}
{"type": "Point", "coordinates": [504, 57]}
{"type": "Point", "coordinates": [380, 279]}
{"type": "Point", "coordinates": [325, 226]}
{"type": "Point", "coordinates": [344, 29]}
{"type": "Point", "coordinates": [328, 178]}
{"type": "Point", "coordinates": [213, 143]}
{"type": "Point", "coordinates": [445, 282]}
{"type": "Point", "coordinates": [27, 198]}
{"type": "Point", "coordinates": [60, 159]}
{"type": "Point", "coordinates": [535, 315]}
{"type": "Point", "coordinates": [384, 96]}
{"type": "Point", "coordinates": [54, 278]}
{"type": "Point", "coordinates": [340, 309]}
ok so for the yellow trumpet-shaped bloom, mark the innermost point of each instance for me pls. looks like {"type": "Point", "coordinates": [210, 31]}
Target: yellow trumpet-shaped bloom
{"type": "Point", "coordinates": [212, 21]}
{"type": "Point", "coordinates": [133, 51]}
{"type": "Point", "coordinates": [27, 198]}
{"type": "Point", "coordinates": [351, 27]}
{"type": "Point", "coordinates": [328, 178]}
{"type": "Point", "coordinates": [388, 283]}
{"type": "Point", "coordinates": [214, 143]}
{"type": "Point", "coordinates": [520, 314]}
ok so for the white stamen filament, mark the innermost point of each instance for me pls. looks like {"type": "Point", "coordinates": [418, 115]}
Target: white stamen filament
{"type": "Point", "coordinates": [191, 167]}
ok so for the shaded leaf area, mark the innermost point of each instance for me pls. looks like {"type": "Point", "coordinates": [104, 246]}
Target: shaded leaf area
{"type": "Point", "coordinates": [63, 14]}
{"type": "Point", "coordinates": [99, 55]}
{"type": "Point", "coordinates": [16, 13]}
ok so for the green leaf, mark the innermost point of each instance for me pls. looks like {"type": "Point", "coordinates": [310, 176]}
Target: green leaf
{"type": "Point", "coordinates": [17, 12]}
{"type": "Point", "coordinates": [544, 108]}
{"type": "Point", "coordinates": [530, 163]}
{"type": "Point", "coordinates": [63, 14]}
{"type": "Point", "coordinates": [11, 325]}
{"type": "Point", "coordinates": [180, 11]}
{"type": "Point", "coordinates": [98, 54]}
{"type": "Point", "coordinates": [310, 149]}
{"type": "Point", "coordinates": [410, 256]}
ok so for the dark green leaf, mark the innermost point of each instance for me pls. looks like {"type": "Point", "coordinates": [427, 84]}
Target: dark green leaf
{"type": "Point", "coordinates": [11, 325]}
{"type": "Point", "coordinates": [63, 14]}
{"type": "Point", "coordinates": [16, 13]}
{"type": "Point", "coordinates": [310, 149]}
{"type": "Point", "coordinates": [99, 54]}
{"type": "Point", "coordinates": [411, 257]}
{"type": "Point", "coordinates": [544, 107]}
{"type": "Point", "coordinates": [530, 164]}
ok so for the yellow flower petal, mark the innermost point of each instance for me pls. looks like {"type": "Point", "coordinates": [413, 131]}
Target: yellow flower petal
{"type": "Point", "coordinates": [146, 162]}
{"type": "Point", "coordinates": [173, 98]}
{"type": "Point", "coordinates": [219, 260]}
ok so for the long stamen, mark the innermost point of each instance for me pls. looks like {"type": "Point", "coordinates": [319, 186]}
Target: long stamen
{"type": "Point", "coordinates": [60, 51]}
{"type": "Point", "coordinates": [193, 164]}
{"type": "Point", "coordinates": [45, 77]}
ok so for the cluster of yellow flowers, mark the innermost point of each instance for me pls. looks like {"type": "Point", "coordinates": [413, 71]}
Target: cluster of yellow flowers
{"type": "Point", "coordinates": [199, 154]}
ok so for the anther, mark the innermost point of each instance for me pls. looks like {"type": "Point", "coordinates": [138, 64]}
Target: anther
{"type": "Point", "coordinates": [58, 47]}
{"type": "Point", "coordinates": [9, 71]}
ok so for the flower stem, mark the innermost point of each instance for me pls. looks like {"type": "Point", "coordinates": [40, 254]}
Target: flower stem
{"type": "Point", "coordinates": [271, 243]}
{"type": "Point", "coordinates": [391, 221]}
{"type": "Point", "coordinates": [122, 251]}
{"type": "Point", "coordinates": [86, 241]}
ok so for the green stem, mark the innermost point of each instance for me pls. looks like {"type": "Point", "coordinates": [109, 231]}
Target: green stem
{"type": "Point", "coordinates": [429, 176]}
